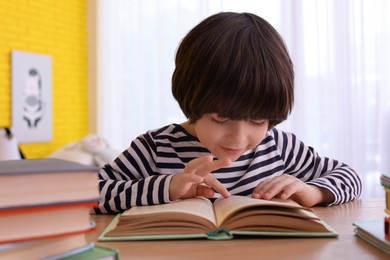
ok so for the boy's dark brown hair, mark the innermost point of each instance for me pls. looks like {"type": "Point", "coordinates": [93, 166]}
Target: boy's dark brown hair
{"type": "Point", "coordinates": [235, 65]}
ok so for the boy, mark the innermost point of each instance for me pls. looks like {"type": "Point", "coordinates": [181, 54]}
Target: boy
{"type": "Point", "coordinates": [234, 81]}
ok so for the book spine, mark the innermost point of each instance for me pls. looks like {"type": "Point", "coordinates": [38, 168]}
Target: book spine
{"type": "Point", "coordinates": [91, 227]}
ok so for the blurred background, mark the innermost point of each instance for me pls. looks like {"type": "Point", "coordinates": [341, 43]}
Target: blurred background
{"type": "Point", "coordinates": [112, 63]}
{"type": "Point", "coordinates": [340, 51]}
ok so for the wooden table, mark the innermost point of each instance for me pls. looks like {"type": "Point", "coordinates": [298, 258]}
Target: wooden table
{"type": "Point", "coordinates": [346, 246]}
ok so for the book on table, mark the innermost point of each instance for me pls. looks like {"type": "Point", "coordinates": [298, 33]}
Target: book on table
{"type": "Point", "coordinates": [372, 231]}
{"type": "Point", "coordinates": [223, 219]}
{"type": "Point", "coordinates": [41, 198]}
{"type": "Point", "coordinates": [95, 252]}
{"type": "Point", "coordinates": [70, 247]}
{"type": "Point", "coordinates": [45, 207]}
{"type": "Point", "coordinates": [30, 182]}
{"type": "Point", "coordinates": [43, 248]}
{"type": "Point", "coordinates": [23, 224]}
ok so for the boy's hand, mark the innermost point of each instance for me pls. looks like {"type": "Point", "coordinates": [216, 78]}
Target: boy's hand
{"type": "Point", "coordinates": [289, 187]}
{"type": "Point", "coordinates": [195, 180]}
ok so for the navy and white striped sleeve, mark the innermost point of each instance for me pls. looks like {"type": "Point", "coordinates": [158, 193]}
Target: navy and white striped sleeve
{"type": "Point", "coordinates": [304, 163]}
{"type": "Point", "coordinates": [131, 179]}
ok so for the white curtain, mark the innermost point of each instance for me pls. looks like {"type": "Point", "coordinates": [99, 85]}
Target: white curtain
{"type": "Point", "coordinates": [340, 50]}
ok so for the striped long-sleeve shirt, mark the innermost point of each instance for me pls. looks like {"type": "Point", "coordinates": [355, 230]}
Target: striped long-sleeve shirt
{"type": "Point", "coordinates": [141, 174]}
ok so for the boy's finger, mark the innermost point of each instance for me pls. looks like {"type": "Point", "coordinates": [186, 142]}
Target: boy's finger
{"type": "Point", "coordinates": [192, 179]}
{"type": "Point", "coordinates": [205, 191]}
{"type": "Point", "coordinates": [206, 168]}
{"type": "Point", "coordinates": [217, 186]}
{"type": "Point", "coordinates": [196, 163]}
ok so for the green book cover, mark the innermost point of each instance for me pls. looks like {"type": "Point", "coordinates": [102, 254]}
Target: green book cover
{"type": "Point", "coordinates": [385, 180]}
{"type": "Point", "coordinates": [95, 252]}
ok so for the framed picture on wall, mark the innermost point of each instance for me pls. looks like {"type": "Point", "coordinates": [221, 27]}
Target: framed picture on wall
{"type": "Point", "coordinates": [31, 96]}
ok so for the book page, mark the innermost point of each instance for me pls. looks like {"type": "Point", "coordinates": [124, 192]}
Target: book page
{"type": "Point", "coordinates": [226, 208]}
{"type": "Point", "coordinates": [195, 206]}
{"type": "Point", "coordinates": [195, 215]}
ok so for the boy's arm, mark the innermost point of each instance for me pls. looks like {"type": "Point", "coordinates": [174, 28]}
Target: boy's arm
{"type": "Point", "coordinates": [119, 195]}
{"type": "Point", "coordinates": [339, 179]}
{"type": "Point", "coordinates": [328, 175]}
{"type": "Point", "coordinates": [131, 180]}
{"type": "Point", "coordinates": [287, 186]}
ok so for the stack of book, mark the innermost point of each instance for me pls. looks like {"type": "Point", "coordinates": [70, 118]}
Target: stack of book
{"type": "Point", "coordinates": [377, 232]}
{"type": "Point", "coordinates": [45, 207]}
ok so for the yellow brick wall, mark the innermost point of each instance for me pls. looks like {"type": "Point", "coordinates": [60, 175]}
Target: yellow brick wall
{"type": "Point", "coordinates": [59, 29]}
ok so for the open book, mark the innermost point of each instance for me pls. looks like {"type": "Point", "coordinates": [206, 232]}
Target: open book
{"type": "Point", "coordinates": [223, 219]}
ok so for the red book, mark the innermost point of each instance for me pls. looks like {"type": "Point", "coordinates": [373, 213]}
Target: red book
{"type": "Point", "coordinates": [23, 224]}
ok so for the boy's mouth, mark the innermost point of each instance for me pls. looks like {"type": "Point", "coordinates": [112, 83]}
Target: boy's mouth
{"type": "Point", "coordinates": [231, 151]}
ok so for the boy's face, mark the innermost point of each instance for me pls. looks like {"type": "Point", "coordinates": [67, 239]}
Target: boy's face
{"type": "Point", "coordinates": [226, 138]}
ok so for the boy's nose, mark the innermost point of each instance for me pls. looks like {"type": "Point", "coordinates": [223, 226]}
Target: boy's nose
{"type": "Point", "coordinates": [236, 133]}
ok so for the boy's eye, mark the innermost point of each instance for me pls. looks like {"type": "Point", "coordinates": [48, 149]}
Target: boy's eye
{"type": "Point", "coordinates": [257, 122]}
{"type": "Point", "coordinates": [219, 120]}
